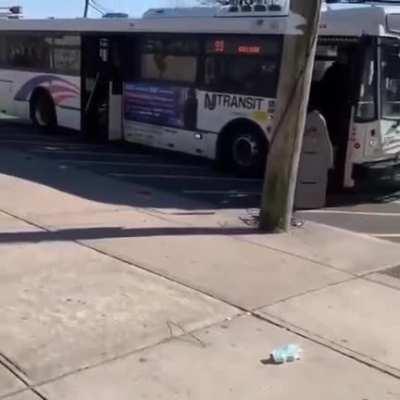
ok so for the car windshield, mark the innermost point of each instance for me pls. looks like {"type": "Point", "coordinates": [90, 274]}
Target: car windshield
{"type": "Point", "coordinates": [390, 79]}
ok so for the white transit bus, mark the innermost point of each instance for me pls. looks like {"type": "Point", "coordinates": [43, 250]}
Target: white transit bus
{"type": "Point", "coordinates": [204, 81]}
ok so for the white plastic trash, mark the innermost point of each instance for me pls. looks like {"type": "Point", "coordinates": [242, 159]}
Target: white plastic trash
{"type": "Point", "coordinates": [289, 353]}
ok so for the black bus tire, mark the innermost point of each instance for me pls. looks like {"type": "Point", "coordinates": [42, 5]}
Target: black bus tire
{"type": "Point", "coordinates": [245, 151]}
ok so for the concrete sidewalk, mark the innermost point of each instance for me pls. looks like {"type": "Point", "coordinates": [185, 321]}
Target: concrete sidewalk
{"type": "Point", "coordinates": [112, 292]}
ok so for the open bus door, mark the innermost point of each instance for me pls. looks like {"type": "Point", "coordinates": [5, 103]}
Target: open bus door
{"type": "Point", "coordinates": [363, 102]}
{"type": "Point", "coordinates": [101, 88]}
{"type": "Point", "coordinates": [336, 67]}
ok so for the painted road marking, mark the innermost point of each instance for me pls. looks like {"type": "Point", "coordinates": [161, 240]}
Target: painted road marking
{"type": "Point", "coordinates": [370, 214]}
{"type": "Point", "coordinates": [18, 135]}
{"type": "Point", "coordinates": [54, 145]}
{"type": "Point", "coordinates": [38, 143]}
{"type": "Point", "coordinates": [132, 164]}
{"type": "Point", "coordinates": [70, 148]}
{"type": "Point", "coordinates": [224, 192]}
{"type": "Point", "coordinates": [91, 153]}
{"type": "Point", "coordinates": [216, 178]}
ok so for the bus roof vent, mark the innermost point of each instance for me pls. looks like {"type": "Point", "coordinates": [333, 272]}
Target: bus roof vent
{"type": "Point", "coordinates": [230, 8]}
{"type": "Point", "coordinates": [180, 12]}
{"type": "Point", "coordinates": [250, 8]}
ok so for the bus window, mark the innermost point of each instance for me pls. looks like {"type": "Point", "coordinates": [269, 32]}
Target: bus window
{"type": "Point", "coordinates": [255, 61]}
{"type": "Point", "coordinates": [251, 75]}
{"type": "Point", "coordinates": [325, 57]}
{"type": "Point", "coordinates": [41, 53]}
{"type": "Point", "coordinates": [390, 80]}
{"type": "Point", "coordinates": [169, 68]}
{"type": "Point", "coordinates": [66, 55]}
{"type": "Point", "coordinates": [169, 59]}
{"type": "Point", "coordinates": [28, 52]}
{"type": "Point", "coordinates": [67, 61]}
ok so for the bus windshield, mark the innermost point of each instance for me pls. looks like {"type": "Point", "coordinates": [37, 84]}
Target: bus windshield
{"type": "Point", "coordinates": [390, 78]}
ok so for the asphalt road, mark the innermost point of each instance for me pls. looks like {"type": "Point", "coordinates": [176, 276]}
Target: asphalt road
{"type": "Point", "coordinates": [374, 214]}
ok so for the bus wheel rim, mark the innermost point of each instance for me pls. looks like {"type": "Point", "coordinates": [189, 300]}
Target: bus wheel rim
{"type": "Point", "coordinates": [42, 113]}
{"type": "Point", "coordinates": [39, 117]}
{"type": "Point", "coordinates": [245, 151]}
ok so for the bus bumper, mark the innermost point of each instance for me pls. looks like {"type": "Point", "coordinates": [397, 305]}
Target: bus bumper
{"type": "Point", "coordinates": [378, 174]}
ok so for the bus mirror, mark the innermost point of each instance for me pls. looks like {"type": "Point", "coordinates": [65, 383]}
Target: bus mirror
{"type": "Point", "coordinates": [16, 10]}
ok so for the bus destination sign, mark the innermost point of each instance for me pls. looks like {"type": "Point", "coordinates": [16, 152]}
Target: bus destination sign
{"type": "Point", "coordinates": [232, 46]}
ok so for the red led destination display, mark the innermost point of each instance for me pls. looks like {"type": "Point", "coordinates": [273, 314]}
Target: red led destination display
{"type": "Point", "coordinates": [245, 46]}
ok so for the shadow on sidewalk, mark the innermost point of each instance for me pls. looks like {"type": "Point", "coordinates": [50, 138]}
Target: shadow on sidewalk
{"type": "Point", "coordinates": [115, 232]}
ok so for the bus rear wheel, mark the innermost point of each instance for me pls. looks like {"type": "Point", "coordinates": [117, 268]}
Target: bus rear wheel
{"type": "Point", "coordinates": [248, 152]}
{"type": "Point", "coordinates": [43, 112]}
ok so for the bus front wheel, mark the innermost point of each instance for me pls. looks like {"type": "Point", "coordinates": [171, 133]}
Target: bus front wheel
{"type": "Point", "coordinates": [248, 149]}
{"type": "Point", "coordinates": [43, 111]}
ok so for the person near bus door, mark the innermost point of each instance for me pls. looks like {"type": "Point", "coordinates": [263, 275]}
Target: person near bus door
{"type": "Point", "coordinates": [334, 104]}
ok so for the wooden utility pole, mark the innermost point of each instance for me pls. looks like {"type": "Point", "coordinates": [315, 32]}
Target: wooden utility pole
{"type": "Point", "coordinates": [293, 95]}
{"type": "Point", "coordinates": [86, 10]}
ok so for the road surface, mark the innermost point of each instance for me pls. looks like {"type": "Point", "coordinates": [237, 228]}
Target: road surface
{"type": "Point", "coordinates": [377, 215]}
